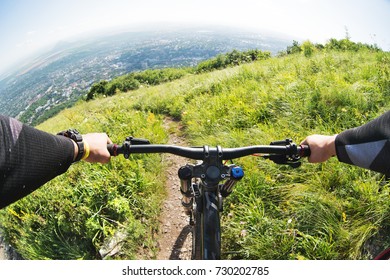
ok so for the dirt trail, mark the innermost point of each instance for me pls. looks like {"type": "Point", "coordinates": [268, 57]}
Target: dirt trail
{"type": "Point", "coordinates": [3, 254]}
{"type": "Point", "coordinates": [174, 238]}
{"type": "Point", "coordinates": [7, 252]}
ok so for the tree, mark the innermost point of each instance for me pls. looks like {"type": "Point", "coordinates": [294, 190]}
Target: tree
{"type": "Point", "coordinates": [308, 48]}
{"type": "Point", "coordinates": [295, 48]}
{"type": "Point", "coordinates": [97, 89]}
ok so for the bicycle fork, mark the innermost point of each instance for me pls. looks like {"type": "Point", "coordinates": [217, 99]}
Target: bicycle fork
{"type": "Point", "coordinates": [204, 200]}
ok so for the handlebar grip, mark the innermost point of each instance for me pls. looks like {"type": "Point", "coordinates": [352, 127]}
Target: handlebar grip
{"type": "Point", "coordinates": [113, 149]}
{"type": "Point", "coordinates": [305, 151]}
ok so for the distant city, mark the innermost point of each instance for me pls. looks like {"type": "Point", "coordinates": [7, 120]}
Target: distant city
{"type": "Point", "coordinates": [64, 75]}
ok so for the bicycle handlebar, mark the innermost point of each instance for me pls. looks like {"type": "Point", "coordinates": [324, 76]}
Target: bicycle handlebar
{"type": "Point", "coordinates": [198, 153]}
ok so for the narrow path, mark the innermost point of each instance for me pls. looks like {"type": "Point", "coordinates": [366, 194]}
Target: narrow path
{"type": "Point", "coordinates": [174, 238]}
{"type": "Point", "coordinates": [7, 252]}
{"type": "Point", "coordinates": [3, 254]}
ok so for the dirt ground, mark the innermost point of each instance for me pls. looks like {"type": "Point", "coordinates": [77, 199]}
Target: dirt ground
{"type": "Point", "coordinates": [175, 237]}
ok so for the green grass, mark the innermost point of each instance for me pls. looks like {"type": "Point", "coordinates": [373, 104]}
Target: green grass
{"type": "Point", "coordinates": [72, 216]}
{"type": "Point", "coordinates": [323, 211]}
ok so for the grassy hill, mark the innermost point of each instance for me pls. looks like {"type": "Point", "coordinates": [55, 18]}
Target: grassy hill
{"type": "Point", "coordinates": [323, 211]}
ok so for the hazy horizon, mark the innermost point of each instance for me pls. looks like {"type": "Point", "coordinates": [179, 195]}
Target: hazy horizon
{"type": "Point", "coordinates": [28, 27]}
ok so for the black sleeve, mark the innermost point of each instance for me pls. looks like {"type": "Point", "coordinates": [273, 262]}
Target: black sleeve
{"type": "Point", "coordinates": [367, 146]}
{"type": "Point", "coordinates": [29, 158]}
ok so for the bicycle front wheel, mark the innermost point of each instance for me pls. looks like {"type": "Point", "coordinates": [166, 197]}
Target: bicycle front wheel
{"type": "Point", "coordinates": [206, 230]}
{"type": "Point", "coordinates": [197, 241]}
{"type": "Point", "coordinates": [211, 228]}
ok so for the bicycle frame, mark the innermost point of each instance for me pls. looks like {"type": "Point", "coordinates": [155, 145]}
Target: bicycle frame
{"type": "Point", "coordinates": [204, 200]}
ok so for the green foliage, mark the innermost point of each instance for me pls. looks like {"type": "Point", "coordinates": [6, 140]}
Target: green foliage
{"type": "Point", "coordinates": [134, 80]}
{"type": "Point", "coordinates": [333, 44]}
{"type": "Point", "coordinates": [233, 58]}
{"type": "Point", "coordinates": [149, 77]}
{"type": "Point", "coordinates": [295, 48]}
{"type": "Point", "coordinates": [308, 48]}
{"type": "Point", "coordinates": [324, 211]}
{"type": "Point", "coordinates": [97, 89]}
{"type": "Point", "coordinates": [348, 45]}
{"type": "Point", "coordinates": [327, 211]}
{"type": "Point", "coordinates": [74, 215]}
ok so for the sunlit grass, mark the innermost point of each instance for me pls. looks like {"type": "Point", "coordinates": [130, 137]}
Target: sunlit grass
{"type": "Point", "coordinates": [323, 211]}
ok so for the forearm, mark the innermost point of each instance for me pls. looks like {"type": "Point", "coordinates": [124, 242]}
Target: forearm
{"type": "Point", "coordinates": [29, 158]}
{"type": "Point", "coordinates": [367, 146]}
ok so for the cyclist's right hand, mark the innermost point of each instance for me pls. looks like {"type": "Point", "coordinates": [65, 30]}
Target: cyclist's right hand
{"type": "Point", "coordinates": [322, 147]}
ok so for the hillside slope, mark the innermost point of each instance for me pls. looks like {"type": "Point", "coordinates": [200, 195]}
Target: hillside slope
{"type": "Point", "coordinates": [324, 211]}
{"type": "Point", "coordinates": [61, 76]}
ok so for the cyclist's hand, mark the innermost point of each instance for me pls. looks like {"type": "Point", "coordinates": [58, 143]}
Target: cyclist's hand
{"type": "Point", "coordinates": [98, 147]}
{"type": "Point", "coordinates": [322, 147]}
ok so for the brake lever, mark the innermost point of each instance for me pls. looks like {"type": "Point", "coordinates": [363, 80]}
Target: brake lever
{"type": "Point", "coordinates": [130, 141]}
{"type": "Point", "coordinates": [292, 159]}
{"type": "Point", "coordinates": [137, 141]}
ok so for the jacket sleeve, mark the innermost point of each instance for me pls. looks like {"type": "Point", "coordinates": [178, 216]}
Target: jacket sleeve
{"type": "Point", "coordinates": [29, 158]}
{"type": "Point", "coordinates": [367, 146]}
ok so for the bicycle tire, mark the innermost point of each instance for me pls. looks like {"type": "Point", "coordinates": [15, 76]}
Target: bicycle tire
{"type": "Point", "coordinates": [206, 231]}
{"type": "Point", "coordinates": [197, 235]}
{"type": "Point", "coordinates": [211, 227]}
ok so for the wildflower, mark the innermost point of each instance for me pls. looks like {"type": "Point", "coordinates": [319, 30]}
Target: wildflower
{"type": "Point", "coordinates": [344, 217]}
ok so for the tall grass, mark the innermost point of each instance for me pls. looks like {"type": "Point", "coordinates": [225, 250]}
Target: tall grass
{"type": "Point", "coordinates": [324, 211]}
{"type": "Point", "coordinates": [76, 214]}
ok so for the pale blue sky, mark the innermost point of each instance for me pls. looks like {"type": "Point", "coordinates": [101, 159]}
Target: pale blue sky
{"type": "Point", "coordinates": [28, 25]}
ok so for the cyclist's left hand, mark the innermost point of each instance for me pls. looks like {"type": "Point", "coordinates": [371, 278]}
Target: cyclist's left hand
{"type": "Point", "coordinates": [98, 147]}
